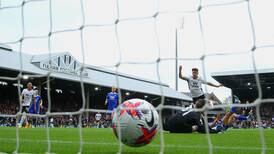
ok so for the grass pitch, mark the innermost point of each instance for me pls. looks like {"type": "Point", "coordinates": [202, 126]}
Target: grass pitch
{"type": "Point", "coordinates": [103, 141]}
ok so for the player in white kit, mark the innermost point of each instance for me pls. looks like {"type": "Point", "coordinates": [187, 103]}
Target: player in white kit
{"type": "Point", "coordinates": [26, 98]}
{"type": "Point", "coordinates": [195, 84]}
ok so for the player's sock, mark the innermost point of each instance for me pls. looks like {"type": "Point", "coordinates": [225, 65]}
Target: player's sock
{"type": "Point", "coordinates": [109, 123]}
{"type": "Point", "coordinates": [22, 120]}
{"type": "Point", "coordinates": [233, 109]}
{"type": "Point", "coordinates": [19, 121]}
{"type": "Point", "coordinates": [19, 125]}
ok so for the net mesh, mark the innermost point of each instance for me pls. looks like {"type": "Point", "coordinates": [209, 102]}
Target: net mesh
{"type": "Point", "coordinates": [198, 9]}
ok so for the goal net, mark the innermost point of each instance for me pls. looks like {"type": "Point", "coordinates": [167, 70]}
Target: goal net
{"type": "Point", "coordinates": [145, 39]}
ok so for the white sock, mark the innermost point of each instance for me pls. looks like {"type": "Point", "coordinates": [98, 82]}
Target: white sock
{"type": "Point", "coordinates": [23, 118]}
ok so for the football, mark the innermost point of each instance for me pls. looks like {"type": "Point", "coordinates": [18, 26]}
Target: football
{"type": "Point", "coordinates": [138, 121]}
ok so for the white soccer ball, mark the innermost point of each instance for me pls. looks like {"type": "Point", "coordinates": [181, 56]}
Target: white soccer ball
{"type": "Point", "coordinates": [138, 122]}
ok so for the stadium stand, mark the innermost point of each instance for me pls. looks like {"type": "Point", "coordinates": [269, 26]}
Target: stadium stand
{"type": "Point", "coordinates": [66, 89]}
{"type": "Point", "coordinates": [243, 84]}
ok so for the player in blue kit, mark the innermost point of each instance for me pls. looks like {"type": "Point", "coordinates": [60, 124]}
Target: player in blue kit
{"type": "Point", "coordinates": [232, 116]}
{"type": "Point", "coordinates": [112, 99]}
{"type": "Point", "coordinates": [36, 104]}
{"type": "Point", "coordinates": [35, 107]}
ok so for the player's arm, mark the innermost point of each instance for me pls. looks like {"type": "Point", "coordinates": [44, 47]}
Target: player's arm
{"type": "Point", "coordinates": [21, 96]}
{"type": "Point", "coordinates": [41, 103]}
{"type": "Point", "coordinates": [34, 103]}
{"type": "Point", "coordinates": [210, 84]}
{"type": "Point", "coordinates": [117, 101]}
{"type": "Point", "coordinates": [180, 74]}
{"type": "Point", "coordinates": [202, 128]}
{"type": "Point", "coordinates": [106, 102]}
{"type": "Point", "coordinates": [213, 85]}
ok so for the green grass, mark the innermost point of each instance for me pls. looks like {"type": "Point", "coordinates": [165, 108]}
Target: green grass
{"type": "Point", "coordinates": [66, 140]}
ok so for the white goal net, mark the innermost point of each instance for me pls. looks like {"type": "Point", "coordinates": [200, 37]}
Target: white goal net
{"type": "Point", "coordinates": [136, 38]}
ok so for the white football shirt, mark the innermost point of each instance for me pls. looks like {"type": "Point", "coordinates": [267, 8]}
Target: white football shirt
{"type": "Point", "coordinates": [195, 86]}
{"type": "Point", "coordinates": [28, 96]}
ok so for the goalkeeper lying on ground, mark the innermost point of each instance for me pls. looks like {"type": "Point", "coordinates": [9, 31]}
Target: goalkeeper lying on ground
{"type": "Point", "coordinates": [189, 121]}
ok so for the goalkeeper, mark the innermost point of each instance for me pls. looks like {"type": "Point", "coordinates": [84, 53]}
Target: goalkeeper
{"type": "Point", "coordinates": [189, 121]}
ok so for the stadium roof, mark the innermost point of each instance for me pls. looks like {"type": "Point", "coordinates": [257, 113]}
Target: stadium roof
{"type": "Point", "coordinates": [243, 83]}
{"type": "Point", "coordinates": [66, 67]}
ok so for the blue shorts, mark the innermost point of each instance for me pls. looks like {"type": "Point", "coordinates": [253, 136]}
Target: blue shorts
{"type": "Point", "coordinates": [110, 110]}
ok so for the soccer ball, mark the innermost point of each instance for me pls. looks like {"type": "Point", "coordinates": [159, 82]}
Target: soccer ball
{"type": "Point", "coordinates": [138, 122]}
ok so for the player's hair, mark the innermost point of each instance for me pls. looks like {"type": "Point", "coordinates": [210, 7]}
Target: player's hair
{"type": "Point", "coordinates": [113, 87]}
{"type": "Point", "coordinates": [200, 103]}
{"type": "Point", "coordinates": [195, 69]}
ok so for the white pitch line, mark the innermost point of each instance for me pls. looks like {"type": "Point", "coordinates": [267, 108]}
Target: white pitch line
{"type": "Point", "coordinates": [151, 145]}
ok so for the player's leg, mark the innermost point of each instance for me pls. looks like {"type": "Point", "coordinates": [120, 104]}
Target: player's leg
{"type": "Point", "coordinates": [235, 117]}
{"type": "Point", "coordinates": [24, 117]}
{"type": "Point", "coordinates": [109, 114]}
{"type": "Point", "coordinates": [228, 115]}
{"type": "Point", "coordinates": [21, 120]}
{"type": "Point", "coordinates": [241, 117]}
{"type": "Point", "coordinates": [231, 120]}
{"type": "Point", "coordinates": [108, 118]}
{"type": "Point", "coordinates": [36, 111]}
{"type": "Point", "coordinates": [225, 119]}
{"type": "Point", "coordinates": [32, 110]}
{"type": "Point", "coordinates": [19, 124]}
{"type": "Point", "coordinates": [174, 126]}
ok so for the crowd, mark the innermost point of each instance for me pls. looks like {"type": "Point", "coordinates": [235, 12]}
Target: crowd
{"type": "Point", "coordinates": [88, 119]}
{"type": "Point", "coordinates": [61, 121]}
{"type": "Point", "coordinates": [33, 103]}
{"type": "Point", "coordinates": [266, 113]}
{"type": "Point", "coordinates": [99, 120]}
{"type": "Point", "coordinates": [253, 123]}
{"type": "Point", "coordinates": [72, 121]}
{"type": "Point", "coordinates": [10, 109]}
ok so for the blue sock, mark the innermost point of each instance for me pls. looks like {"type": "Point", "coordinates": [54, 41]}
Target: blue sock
{"type": "Point", "coordinates": [233, 109]}
{"type": "Point", "coordinates": [241, 117]}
